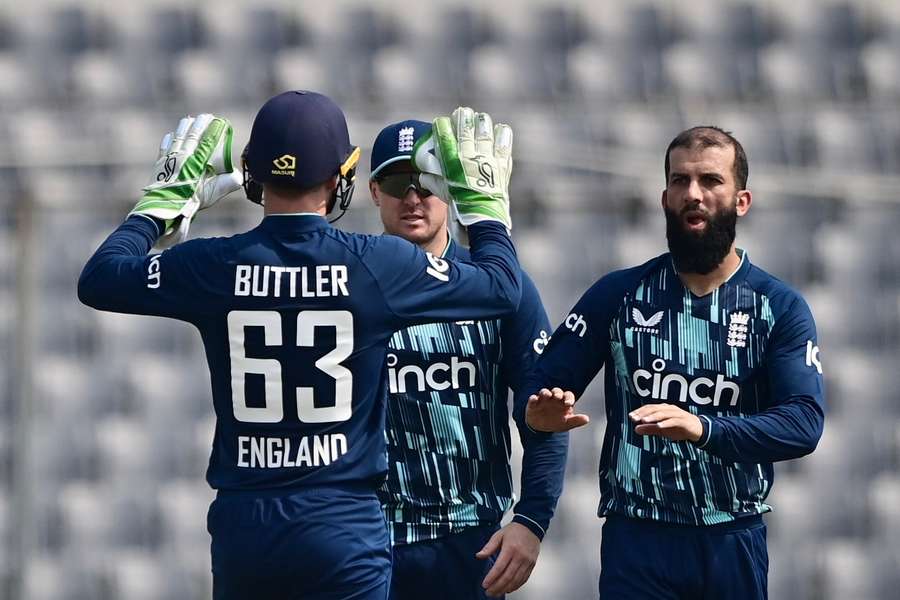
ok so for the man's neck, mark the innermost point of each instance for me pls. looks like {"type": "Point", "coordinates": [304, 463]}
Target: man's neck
{"type": "Point", "coordinates": [438, 244]}
{"type": "Point", "coordinates": [290, 208]}
{"type": "Point", "coordinates": [315, 201]}
{"type": "Point", "coordinates": [701, 285]}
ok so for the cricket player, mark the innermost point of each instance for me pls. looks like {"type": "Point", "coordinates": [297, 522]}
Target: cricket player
{"type": "Point", "coordinates": [712, 374]}
{"type": "Point", "coordinates": [449, 480]}
{"type": "Point", "coordinates": [295, 318]}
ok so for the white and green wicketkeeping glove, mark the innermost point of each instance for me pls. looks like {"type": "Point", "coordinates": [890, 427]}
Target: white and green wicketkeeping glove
{"type": "Point", "coordinates": [193, 171]}
{"type": "Point", "coordinates": [467, 161]}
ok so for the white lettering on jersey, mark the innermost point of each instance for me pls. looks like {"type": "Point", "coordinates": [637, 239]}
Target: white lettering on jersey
{"type": "Point", "coordinates": [322, 281]}
{"type": "Point", "coordinates": [242, 280]}
{"type": "Point", "coordinates": [700, 390]}
{"type": "Point", "coordinates": [428, 379]}
{"type": "Point", "coordinates": [153, 274]}
{"type": "Point", "coordinates": [541, 342]}
{"type": "Point", "coordinates": [260, 284]}
{"type": "Point", "coordinates": [574, 322]}
{"type": "Point", "coordinates": [812, 356]}
{"type": "Point", "coordinates": [438, 267]}
{"type": "Point", "coordinates": [275, 453]}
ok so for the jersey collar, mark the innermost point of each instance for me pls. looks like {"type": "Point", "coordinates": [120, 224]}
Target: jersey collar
{"type": "Point", "coordinates": [294, 222]}
{"type": "Point", "coordinates": [450, 248]}
{"type": "Point", "coordinates": [739, 274]}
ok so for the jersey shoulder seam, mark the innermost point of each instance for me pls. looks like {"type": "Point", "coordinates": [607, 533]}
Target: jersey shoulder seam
{"type": "Point", "coordinates": [777, 287]}
{"type": "Point", "coordinates": [359, 257]}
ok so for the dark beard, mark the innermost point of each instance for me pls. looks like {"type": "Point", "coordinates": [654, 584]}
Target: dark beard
{"type": "Point", "coordinates": [701, 253]}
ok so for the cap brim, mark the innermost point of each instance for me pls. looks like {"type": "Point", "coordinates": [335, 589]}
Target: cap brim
{"type": "Point", "coordinates": [388, 162]}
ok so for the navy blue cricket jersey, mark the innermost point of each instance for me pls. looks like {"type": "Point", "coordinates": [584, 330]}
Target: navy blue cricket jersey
{"type": "Point", "coordinates": [295, 317]}
{"type": "Point", "coordinates": [744, 358]}
{"type": "Point", "coordinates": [448, 424]}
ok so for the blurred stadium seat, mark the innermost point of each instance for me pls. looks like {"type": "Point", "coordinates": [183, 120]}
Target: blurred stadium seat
{"type": "Point", "coordinates": [884, 503]}
{"type": "Point", "coordinates": [54, 578]}
{"type": "Point", "coordinates": [646, 130]}
{"type": "Point", "coordinates": [20, 86]}
{"type": "Point", "coordinates": [184, 398]}
{"type": "Point", "coordinates": [758, 134]}
{"type": "Point", "coordinates": [739, 24]}
{"type": "Point", "coordinates": [99, 520]}
{"type": "Point", "coordinates": [494, 74]}
{"type": "Point", "coordinates": [844, 141]}
{"type": "Point", "coordinates": [703, 73]}
{"type": "Point", "coordinates": [852, 569]}
{"type": "Point", "coordinates": [102, 79]}
{"type": "Point", "coordinates": [5, 518]}
{"type": "Point", "coordinates": [599, 73]}
{"type": "Point", "coordinates": [139, 574]}
{"type": "Point", "coordinates": [204, 78]}
{"type": "Point", "coordinates": [183, 506]}
{"type": "Point", "coordinates": [881, 63]}
{"type": "Point", "coordinates": [300, 68]}
{"type": "Point", "coordinates": [795, 74]}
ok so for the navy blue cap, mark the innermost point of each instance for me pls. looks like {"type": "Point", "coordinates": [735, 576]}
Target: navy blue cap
{"type": "Point", "coordinates": [395, 142]}
{"type": "Point", "coordinates": [298, 138]}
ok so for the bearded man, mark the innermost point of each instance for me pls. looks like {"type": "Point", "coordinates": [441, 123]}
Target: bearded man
{"type": "Point", "coordinates": [712, 374]}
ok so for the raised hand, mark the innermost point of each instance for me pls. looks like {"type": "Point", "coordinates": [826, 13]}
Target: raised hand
{"type": "Point", "coordinates": [467, 161]}
{"type": "Point", "coordinates": [553, 410]}
{"type": "Point", "coordinates": [193, 171]}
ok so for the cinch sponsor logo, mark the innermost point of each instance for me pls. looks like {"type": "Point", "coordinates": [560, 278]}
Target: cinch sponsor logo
{"type": "Point", "coordinates": [669, 386]}
{"type": "Point", "coordinates": [576, 324]}
{"type": "Point", "coordinates": [439, 376]}
{"type": "Point", "coordinates": [541, 342]}
{"type": "Point", "coordinates": [153, 275]}
{"type": "Point", "coordinates": [812, 356]}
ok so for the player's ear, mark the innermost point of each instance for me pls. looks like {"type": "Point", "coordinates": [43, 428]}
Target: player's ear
{"type": "Point", "coordinates": [742, 202]}
{"type": "Point", "coordinates": [665, 200]}
{"type": "Point", "coordinates": [373, 191]}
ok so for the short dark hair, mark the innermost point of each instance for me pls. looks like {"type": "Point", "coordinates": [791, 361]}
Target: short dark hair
{"type": "Point", "coordinates": [705, 136]}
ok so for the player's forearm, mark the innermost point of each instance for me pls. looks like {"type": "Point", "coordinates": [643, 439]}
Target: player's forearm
{"type": "Point", "coordinates": [575, 354]}
{"type": "Point", "coordinates": [98, 285]}
{"type": "Point", "coordinates": [493, 251]}
{"type": "Point", "coordinates": [789, 430]}
{"type": "Point", "coordinates": [543, 470]}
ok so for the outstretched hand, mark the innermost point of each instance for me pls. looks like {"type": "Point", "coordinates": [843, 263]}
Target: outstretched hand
{"type": "Point", "coordinates": [668, 421]}
{"type": "Point", "coordinates": [553, 410]}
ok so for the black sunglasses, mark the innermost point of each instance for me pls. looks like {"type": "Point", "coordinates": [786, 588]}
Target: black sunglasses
{"type": "Point", "coordinates": [398, 184]}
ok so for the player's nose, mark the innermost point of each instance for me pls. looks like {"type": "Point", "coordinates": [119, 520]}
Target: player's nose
{"type": "Point", "coordinates": [412, 197]}
{"type": "Point", "coordinates": [694, 193]}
